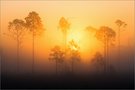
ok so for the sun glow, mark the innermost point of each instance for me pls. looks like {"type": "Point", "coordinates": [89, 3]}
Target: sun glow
{"type": "Point", "coordinates": [76, 36]}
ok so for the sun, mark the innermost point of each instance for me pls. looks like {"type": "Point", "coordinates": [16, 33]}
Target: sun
{"type": "Point", "coordinates": [76, 36]}
{"type": "Point", "coordinates": [87, 43]}
{"type": "Point", "coordinates": [79, 38]}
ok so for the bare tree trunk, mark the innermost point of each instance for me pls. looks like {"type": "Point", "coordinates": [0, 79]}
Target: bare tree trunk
{"type": "Point", "coordinates": [65, 41]}
{"type": "Point", "coordinates": [56, 67]}
{"type": "Point", "coordinates": [18, 52]}
{"type": "Point", "coordinates": [107, 54]}
{"type": "Point", "coordinates": [0, 46]}
{"type": "Point", "coordinates": [1, 52]}
{"type": "Point", "coordinates": [104, 57]}
{"type": "Point", "coordinates": [33, 56]}
{"type": "Point", "coordinates": [119, 43]}
{"type": "Point", "coordinates": [72, 66]}
{"type": "Point", "coordinates": [65, 47]}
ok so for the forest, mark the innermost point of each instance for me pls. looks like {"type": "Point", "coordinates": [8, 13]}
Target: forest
{"type": "Point", "coordinates": [34, 56]}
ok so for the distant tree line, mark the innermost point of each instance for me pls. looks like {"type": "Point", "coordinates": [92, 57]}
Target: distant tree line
{"type": "Point", "coordinates": [71, 51]}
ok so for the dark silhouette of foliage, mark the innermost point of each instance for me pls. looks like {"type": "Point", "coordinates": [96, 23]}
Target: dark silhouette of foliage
{"type": "Point", "coordinates": [107, 36]}
{"type": "Point", "coordinates": [64, 25]}
{"type": "Point", "coordinates": [99, 62]}
{"type": "Point", "coordinates": [74, 53]}
{"type": "Point", "coordinates": [120, 24]}
{"type": "Point", "coordinates": [35, 26]}
{"type": "Point", "coordinates": [57, 55]}
{"type": "Point", "coordinates": [91, 29]}
{"type": "Point", "coordinates": [16, 28]}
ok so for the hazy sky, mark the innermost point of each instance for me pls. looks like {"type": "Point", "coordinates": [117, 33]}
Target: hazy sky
{"type": "Point", "coordinates": [79, 13]}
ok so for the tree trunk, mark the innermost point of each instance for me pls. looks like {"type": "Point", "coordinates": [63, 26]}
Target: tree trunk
{"type": "Point", "coordinates": [72, 66]}
{"type": "Point", "coordinates": [56, 67]}
{"type": "Point", "coordinates": [17, 52]}
{"type": "Point", "coordinates": [119, 44]}
{"type": "Point", "coordinates": [65, 42]}
{"type": "Point", "coordinates": [1, 53]}
{"type": "Point", "coordinates": [105, 53]}
{"type": "Point", "coordinates": [107, 50]}
{"type": "Point", "coordinates": [104, 56]}
{"type": "Point", "coordinates": [65, 47]}
{"type": "Point", "coordinates": [33, 56]}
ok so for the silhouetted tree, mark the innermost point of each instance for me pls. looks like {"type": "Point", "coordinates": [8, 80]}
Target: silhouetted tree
{"type": "Point", "coordinates": [91, 29]}
{"type": "Point", "coordinates": [57, 55]}
{"type": "Point", "coordinates": [99, 62]}
{"type": "Point", "coordinates": [64, 25]}
{"type": "Point", "coordinates": [35, 26]}
{"type": "Point", "coordinates": [16, 28]}
{"type": "Point", "coordinates": [74, 53]}
{"type": "Point", "coordinates": [120, 24]}
{"type": "Point", "coordinates": [107, 36]}
{"type": "Point", "coordinates": [1, 50]}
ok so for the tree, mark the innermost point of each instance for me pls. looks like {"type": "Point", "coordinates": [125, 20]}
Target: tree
{"type": "Point", "coordinates": [57, 55]}
{"type": "Point", "coordinates": [1, 51]}
{"type": "Point", "coordinates": [16, 28]}
{"type": "Point", "coordinates": [91, 29]}
{"type": "Point", "coordinates": [35, 26]}
{"type": "Point", "coordinates": [74, 53]}
{"type": "Point", "coordinates": [107, 36]}
{"type": "Point", "coordinates": [120, 24]}
{"type": "Point", "coordinates": [64, 25]}
{"type": "Point", "coordinates": [99, 62]}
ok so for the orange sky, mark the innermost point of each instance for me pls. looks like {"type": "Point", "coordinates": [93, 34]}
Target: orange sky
{"type": "Point", "coordinates": [79, 13]}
